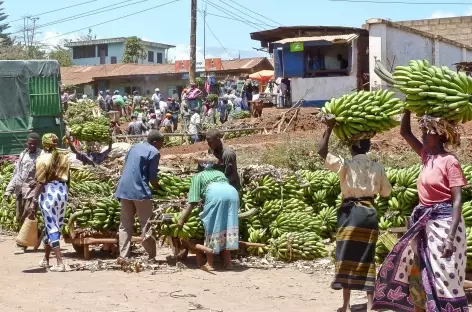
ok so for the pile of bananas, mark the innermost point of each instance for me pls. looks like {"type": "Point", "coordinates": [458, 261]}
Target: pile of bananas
{"type": "Point", "coordinates": [431, 90]}
{"type": "Point", "coordinates": [364, 113]}
{"type": "Point", "coordinates": [469, 247]}
{"type": "Point", "coordinates": [101, 215]}
{"type": "Point", "coordinates": [264, 189]}
{"type": "Point", "coordinates": [258, 236]}
{"type": "Point", "coordinates": [298, 246]}
{"type": "Point", "coordinates": [192, 229]}
{"type": "Point", "coordinates": [240, 115]}
{"type": "Point", "coordinates": [91, 132]}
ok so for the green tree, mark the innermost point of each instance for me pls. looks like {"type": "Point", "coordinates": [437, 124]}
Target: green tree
{"type": "Point", "coordinates": [134, 50]}
{"type": "Point", "coordinates": [62, 55]}
{"type": "Point", "coordinates": [4, 36]}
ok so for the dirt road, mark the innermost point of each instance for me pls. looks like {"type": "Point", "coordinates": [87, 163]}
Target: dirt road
{"type": "Point", "coordinates": [25, 287]}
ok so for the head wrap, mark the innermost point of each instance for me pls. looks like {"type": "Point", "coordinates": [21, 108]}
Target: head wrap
{"type": "Point", "coordinates": [440, 126]}
{"type": "Point", "coordinates": [49, 141]}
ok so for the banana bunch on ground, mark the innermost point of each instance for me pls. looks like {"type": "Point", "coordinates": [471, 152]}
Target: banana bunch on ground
{"type": "Point", "coordinates": [328, 218]}
{"type": "Point", "coordinates": [233, 135]}
{"type": "Point", "coordinates": [254, 223]}
{"type": "Point", "coordinates": [331, 184]}
{"type": "Point", "coordinates": [91, 188]}
{"type": "Point", "coordinates": [296, 205]}
{"type": "Point", "coordinates": [405, 189]}
{"type": "Point", "coordinates": [258, 236]}
{"type": "Point", "coordinates": [91, 132]}
{"type": "Point", "coordinates": [314, 179]}
{"type": "Point", "coordinates": [192, 229]}
{"type": "Point", "coordinates": [435, 91]}
{"type": "Point", "coordinates": [264, 189]}
{"type": "Point", "coordinates": [385, 224]}
{"type": "Point", "coordinates": [171, 186]}
{"type": "Point", "coordinates": [467, 190]}
{"type": "Point", "coordinates": [81, 176]}
{"type": "Point", "coordinates": [270, 210]}
{"type": "Point", "coordinates": [398, 211]}
{"type": "Point", "coordinates": [298, 246]}
{"type": "Point", "coordinates": [381, 205]}
{"type": "Point", "coordinates": [240, 115]}
{"type": "Point", "coordinates": [8, 218]}
{"type": "Point", "coordinates": [467, 213]}
{"type": "Point", "coordinates": [292, 188]}
{"type": "Point", "coordinates": [248, 202]}
{"type": "Point", "coordinates": [392, 175]}
{"type": "Point", "coordinates": [295, 222]}
{"type": "Point", "coordinates": [320, 200]}
{"type": "Point", "coordinates": [469, 247]}
{"type": "Point", "coordinates": [100, 215]}
{"type": "Point", "coordinates": [364, 113]}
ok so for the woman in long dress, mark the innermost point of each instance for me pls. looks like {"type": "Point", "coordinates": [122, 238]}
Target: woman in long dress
{"type": "Point", "coordinates": [426, 269]}
{"type": "Point", "coordinates": [51, 194]}
{"type": "Point", "coordinates": [361, 180]}
{"type": "Point", "coordinates": [219, 215]}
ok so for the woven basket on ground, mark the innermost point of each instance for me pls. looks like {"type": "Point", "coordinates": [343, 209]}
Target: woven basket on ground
{"type": "Point", "coordinates": [28, 235]}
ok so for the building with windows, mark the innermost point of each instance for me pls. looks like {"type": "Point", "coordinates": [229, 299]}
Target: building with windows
{"type": "Point", "coordinates": [110, 51]}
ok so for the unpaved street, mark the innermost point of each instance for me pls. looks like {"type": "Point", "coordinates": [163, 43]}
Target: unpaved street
{"type": "Point", "coordinates": [25, 287]}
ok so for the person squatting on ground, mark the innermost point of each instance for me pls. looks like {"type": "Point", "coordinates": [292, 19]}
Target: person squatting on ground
{"type": "Point", "coordinates": [361, 180]}
{"type": "Point", "coordinates": [51, 194]}
{"type": "Point", "coordinates": [425, 271]}
{"type": "Point", "coordinates": [140, 170]}
{"type": "Point", "coordinates": [23, 181]}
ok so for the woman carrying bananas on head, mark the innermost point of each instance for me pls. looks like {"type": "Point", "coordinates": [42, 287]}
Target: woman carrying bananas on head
{"type": "Point", "coordinates": [220, 211]}
{"type": "Point", "coordinates": [426, 269]}
{"type": "Point", "coordinates": [361, 180]}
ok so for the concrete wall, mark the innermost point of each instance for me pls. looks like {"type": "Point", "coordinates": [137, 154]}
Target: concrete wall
{"type": "Point", "coordinates": [323, 89]}
{"type": "Point", "coordinates": [147, 86]}
{"type": "Point", "coordinates": [454, 28]}
{"type": "Point", "coordinates": [116, 50]}
{"type": "Point", "coordinates": [393, 47]}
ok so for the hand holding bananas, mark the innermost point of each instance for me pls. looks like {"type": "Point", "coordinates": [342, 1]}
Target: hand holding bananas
{"type": "Point", "coordinates": [362, 114]}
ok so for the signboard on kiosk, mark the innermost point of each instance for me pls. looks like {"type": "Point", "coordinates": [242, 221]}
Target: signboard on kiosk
{"type": "Point", "coordinates": [213, 64]}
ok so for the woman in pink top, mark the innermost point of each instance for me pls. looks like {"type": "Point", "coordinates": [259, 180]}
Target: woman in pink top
{"type": "Point", "coordinates": [426, 269]}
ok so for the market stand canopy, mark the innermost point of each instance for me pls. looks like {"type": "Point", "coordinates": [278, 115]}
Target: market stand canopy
{"type": "Point", "coordinates": [263, 75]}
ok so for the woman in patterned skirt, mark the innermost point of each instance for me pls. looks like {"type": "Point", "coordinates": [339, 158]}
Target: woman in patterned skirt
{"type": "Point", "coordinates": [426, 269]}
{"type": "Point", "coordinates": [220, 212]}
{"type": "Point", "coordinates": [52, 174]}
{"type": "Point", "coordinates": [361, 180]}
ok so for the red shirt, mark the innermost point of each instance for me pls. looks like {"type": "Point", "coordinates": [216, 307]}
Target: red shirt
{"type": "Point", "coordinates": [439, 173]}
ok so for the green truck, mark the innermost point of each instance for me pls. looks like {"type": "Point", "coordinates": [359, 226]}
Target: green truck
{"type": "Point", "coordinates": [30, 101]}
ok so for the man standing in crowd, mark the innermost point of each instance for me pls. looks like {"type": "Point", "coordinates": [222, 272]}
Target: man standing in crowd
{"type": "Point", "coordinates": [23, 182]}
{"type": "Point", "coordinates": [140, 170]}
{"type": "Point", "coordinates": [156, 99]}
{"type": "Point", "coordinates": [173, 108]}
{"type": "Point", "coordinates": [108, 101]}
{"type": "Point", "coordinates": [136, 127]}
{"type": "Point", "coordinates": [226, 157]}
{"type": "Point", "coordinates": [175, 95]}
{"type": "Point", "coordinates": [195, 126]}
{"type": "Point", "coordinates": [136, 101]}
{"type": "Point", "coordinates": [185, 112]}
{"type": "Point", "coordinates": [101, 101]}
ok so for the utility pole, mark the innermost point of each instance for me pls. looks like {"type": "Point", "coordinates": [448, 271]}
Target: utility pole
{"type": "Point", "coordinates": [204, 38]}
{"type": "Point", "coordinates": [193, 42]}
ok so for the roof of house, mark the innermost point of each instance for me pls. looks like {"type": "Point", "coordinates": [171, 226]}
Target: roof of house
{"type": "Point", "coordinates": [115, 40]}
{"type": "Point", "coordinates": [332, 38]}
{"type": "Point", "coordinates": [418, 32]}
{"type": "Point", "coordinates": [86, 74]}
{"type": "Point", "coordinates": [280, 33]}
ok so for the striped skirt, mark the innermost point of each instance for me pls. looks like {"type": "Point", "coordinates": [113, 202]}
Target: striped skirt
{"type": "Point", "coordinates": [356, 240]}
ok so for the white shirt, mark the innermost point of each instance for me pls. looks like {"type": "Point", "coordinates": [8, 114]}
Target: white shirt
{"type": "Point", "coordinates": [156, 98]}
{"type": "Point", "coordinates": [163, 107]}
{"type": "Point", "coordinates": [194, 126]}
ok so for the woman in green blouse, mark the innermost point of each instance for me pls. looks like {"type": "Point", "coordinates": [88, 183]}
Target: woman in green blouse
{"type": "Point", "coordinates": [220, 212]}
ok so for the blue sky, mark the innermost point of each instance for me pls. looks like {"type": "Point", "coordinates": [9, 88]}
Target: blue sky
{"type": "Point", "coordinates": [171, 23]}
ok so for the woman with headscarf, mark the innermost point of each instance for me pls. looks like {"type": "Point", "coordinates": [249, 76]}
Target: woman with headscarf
{"type": "Point", "coordinates": [361, 180]}
{"type": "Point", "coordinates": [426, 269]}
{"type": "Point", "coordinates": [220, 212]}
{"type": "Point", "coordinates": [51, 194]}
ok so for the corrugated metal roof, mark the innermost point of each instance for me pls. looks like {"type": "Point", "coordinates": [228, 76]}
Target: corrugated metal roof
{"type": "Point", "coordinates": [115, 40]}
{"type": "Point", "coordinates": [332, 38]}
{"type": "Point", "coordinates": [86, 74]}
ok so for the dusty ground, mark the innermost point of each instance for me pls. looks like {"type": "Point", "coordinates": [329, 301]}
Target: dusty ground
{"type": "Point", "coordinates": [26, 287]}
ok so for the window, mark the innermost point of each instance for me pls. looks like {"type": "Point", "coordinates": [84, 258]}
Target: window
{"type": "Point", "coordinates": [159, 58]}
{"type": "Point", "coordinates": [84, 52]}
{"type": "Point", "coordinates": [150, 56]}
{"type": "Point", "coordinates": [329, 60]}
{"type": "Point", "coordinates": [103, 50]}
{"type": "Point", "coordinates": [113, 60]}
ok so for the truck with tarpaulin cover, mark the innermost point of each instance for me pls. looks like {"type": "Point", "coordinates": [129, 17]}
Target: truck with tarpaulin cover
{"type": "Point", "coordinates": [29, 102]}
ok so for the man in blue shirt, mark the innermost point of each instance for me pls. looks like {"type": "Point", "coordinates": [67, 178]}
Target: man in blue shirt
{"type": "Point", "coordinates": [140, 170]}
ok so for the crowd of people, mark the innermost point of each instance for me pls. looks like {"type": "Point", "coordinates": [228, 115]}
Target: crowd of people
{"type": "Point", "coordinates": [41, 178]}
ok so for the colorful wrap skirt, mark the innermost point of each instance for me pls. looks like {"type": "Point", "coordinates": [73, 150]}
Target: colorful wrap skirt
{"type": "Point", "coordinates": [53, 202]}
{"type": "Point", "coordinates": [415, 274]}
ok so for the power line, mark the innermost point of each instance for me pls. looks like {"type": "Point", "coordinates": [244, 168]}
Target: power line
{"type": "Point", "coordinates": [87, 14]}
{"type": "Point", "coordinates": [403, 2]}
{"type": "Point", "coordinates": [223, 10]}
{"type": "Point", "coordinates": [256, 13]}
{"type": "Point", "coordinates": [209, 28]}
{"type": "Point", "coordinates": [56, 10]}
{"type": "Point", "coordinates": [112, 20]}
{"type": "Point", "coordinates": [244, 12]}
{"type": "Point", "coordinates": [230, 18]}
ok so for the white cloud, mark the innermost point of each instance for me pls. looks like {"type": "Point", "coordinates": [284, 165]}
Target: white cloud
{"type": "Point", "coordinates": [443, 14]}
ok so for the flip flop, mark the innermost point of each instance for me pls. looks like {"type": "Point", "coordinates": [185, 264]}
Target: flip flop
{"type": "Point", "coordinates": [44, 264]}
{"type": "Point", "coordinates": [207, 268]}
{"type": "Point", "coordinates": [58, 268]}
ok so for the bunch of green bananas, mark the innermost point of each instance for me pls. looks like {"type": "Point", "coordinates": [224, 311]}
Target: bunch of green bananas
{"type": "Point", "coordinates": [319, 200]}
{"type": "Point", "coordinates": [469, 247]}
{"type": "Point", "coordinates": [264, 189]}
{"type": "Point", "coordinates": [298, 246]}
{"type": "Point", "coordinates": [258, 236]}
{"type": "Point", "coordinates": [398, 210]}
{"type": "Point", "coordinates": [91, 188]}
{"type": "Point", "coordinates": [292, 188]}
{"type": "Point", "coordinates": [240, 115]}
{"type": "Point", "coordinates": [435, 91]}
{"type": "Point", "coordinates": [364, 112]}
{"type": "Point", "coordinates": [254, 223]}
{"type": "Point", "coordinates": [295, 222]}
{"type": "Point", "coordinates": [328, 218]}
{"type": "Point", "coordinates": [91, 132]}
{"type": "Point", "coordinates": [100, 215]}
{"type": "Point", "coordinates": [467, 191]}
{"type": "Point", "coordinates": [296, 205]}
{"type": "Point", "coordinates": [270, 210]}
{"type": "Point", "coordinates": [467, 213]}
{"type": "Point", "coordinates": [385, 224]}
{"type": "Point", "coordinates": [381, 205]}
{"type": "Point", "coordinates": [172, 186]}
{"type": "Point", "coordinates": [81, 176]}
{"type": "Point", "coordinates": [192, 229]}
{"type": "Point", "coordinates": [405, 187]}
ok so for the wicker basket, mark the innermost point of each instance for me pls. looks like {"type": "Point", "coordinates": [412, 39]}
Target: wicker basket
{"type": "Point", "coordinates": [28, 235]}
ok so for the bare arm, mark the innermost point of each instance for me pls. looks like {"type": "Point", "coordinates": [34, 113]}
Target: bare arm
{"type": "Point", "coordinates": [34, 204]}
{"type": "Point", "coordinates": [323, 144]}
{"type": "Point", "coordinates": [186, 214]}
{"type": "Point", "coordinates": [456, 218]}
{"type": "Point", "coordinates": [405, 131]}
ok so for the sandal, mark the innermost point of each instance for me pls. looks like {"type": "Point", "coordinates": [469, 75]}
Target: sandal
{"type": "Point", "coordinates": [44, 264]}
{"type": "Point", "coordinates": [207, 268]}
{"type": "Point", "coordinates": [58, 268]}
